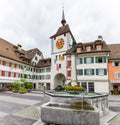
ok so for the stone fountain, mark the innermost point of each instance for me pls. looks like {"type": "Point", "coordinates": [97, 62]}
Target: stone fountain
{"type": "Point", "coordinates": [74, 109]}
{"type": "Point", "coordinates": [70, 109]}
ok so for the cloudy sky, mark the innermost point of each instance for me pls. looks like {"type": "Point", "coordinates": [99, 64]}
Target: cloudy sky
{"type": "Point", "coordinates": [31, 22]}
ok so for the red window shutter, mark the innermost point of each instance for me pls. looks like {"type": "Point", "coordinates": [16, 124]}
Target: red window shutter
{"type": "Point", "coordinates": [14, 75]}
{"type": "Point", "coordinates": [3, 63]}
{"type": "Point", "coordinates": [3, 73]}
{"type": "Point", "coordinates": [19, 75]}
{"type": "Point", "coordinates": [68, 63]}
{"type": "Point", "coordinates": [9, 74]}
{"type": "Point", "coordinates": [15, 65]}
{"type": "Point", "coordinates": [68, 73]}
{"type": "Point", "coordinates": [10, 64]}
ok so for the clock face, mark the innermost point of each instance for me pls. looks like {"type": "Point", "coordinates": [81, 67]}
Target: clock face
{"type": "Point", "coordinates": [60, 43]}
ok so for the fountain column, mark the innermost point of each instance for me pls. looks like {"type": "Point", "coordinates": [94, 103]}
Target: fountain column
{"type": "Point", "coordinates": [73, 64]}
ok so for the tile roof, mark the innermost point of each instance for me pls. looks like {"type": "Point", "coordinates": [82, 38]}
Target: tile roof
{"type": "Point", "coordinates": [7, 50]}
{"type": "Point", "coordinates": [115, 51]}
{"type": "Point", "coordinates": [31, 53]}
{"type": "Point", "coordinates": [93, 47]}
{"type": "Point", "coordinates": [13, 52]}
{"type": "Point", "coordinates": [62, 30]}
{"type": "Point", "coordinates": [44, 62]}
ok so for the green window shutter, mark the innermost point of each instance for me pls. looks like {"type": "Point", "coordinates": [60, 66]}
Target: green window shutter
{"type": "Point", "coordinates": [104, 59]}
{"type": "Point", "coordinates": [96, 71]}
{"type": "Point", "coordinates": [80, 60]}
{"type": "Point", "coordinates": [96, 59]}
{"type": "Point", "coordinates": [81, 72]}
{"type": "Point", "coordinates": [105, 72]}
{"type": "Point", "coordinates": [85, 60]}
{"type": "Point", "coordinates": [92, 71]}
{"type": "Point", "coordinates": [92, 59]}
{"type": "Point", "coordinates": [84, 71]}
{"type": "Point", "coordinates": [25, 76]}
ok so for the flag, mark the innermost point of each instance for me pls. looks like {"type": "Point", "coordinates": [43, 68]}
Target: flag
{"type": "Point", "coordinates": [60, 57]}
{"type": "Point", "coordinates": [55, 61]}
{"type": "Point", "coordinates": [57, 67]}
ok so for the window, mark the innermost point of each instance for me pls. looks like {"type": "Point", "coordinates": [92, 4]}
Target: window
{"type": "Point", "coordinates": [101, 59]}
{"type": "Point", "coordinates": [41, 77]}
{"type": "Point", "coordinates": [79, 72]}
{"type": "Point", "coordinates": [7, 63]}
{"type": "Point", "coordinates": [89, 71]}
{"type": "Point", "coordinates": [12, 65]}
{"type": "Point", "coordinates": [89, 60]}
{"type": "Point", "coordinates": [48, 69]}
{"type": "Point", "coordinates": [98, 47]}
{"type": "Point", "coordinates": [79, 61]}
{"type": "Point", "coordinates": [101, 72]}
{"type": "Point", "coordinates": [12, 74]}
{"type": "Point", "coordinates": [47, 76]}
{"type": "Point", "coordinates": [78, 50]}
{"type": "Point", "coordinates": [88, 48]}
{"type": "Point", "coordinates": [38, 54]}
{"type": "Point", "coordinates": [17, 75]}
{"type": "Point", "coordinates": [91, 86]}
{"type": "Point", "coordinates": [84, 85]}
{"type": "Point", "coordinates": [42, 70]}
{"type": "Point", "coordinates": [117, 74]}
{"type": "Point", "coordinates": [116, 64]}
{"type": "Point", "coordinates": [6, 73]}
{"type": "Point", "coordinates": [36, 58]}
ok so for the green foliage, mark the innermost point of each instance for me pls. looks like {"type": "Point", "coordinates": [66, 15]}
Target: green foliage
{"type": "Point", "coordinates": [23, 80]}
{"type": "Point", "coordinates": [74, 88]}
{"type": "Point", "coordinates": [28, 85]}
{"type": "Point", "coordinates": [22, 89]}
{"type": "Point", "coordinates": [16, 85]}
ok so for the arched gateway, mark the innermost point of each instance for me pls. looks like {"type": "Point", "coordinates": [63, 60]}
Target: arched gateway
{"type": "Point", "coordinates": [59, 79]}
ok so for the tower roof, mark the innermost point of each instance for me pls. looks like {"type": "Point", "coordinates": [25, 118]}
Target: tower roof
{"type": "Point", "coordinates": [64, 28]}
{"type": "Point", "coordinates": [63, 21]}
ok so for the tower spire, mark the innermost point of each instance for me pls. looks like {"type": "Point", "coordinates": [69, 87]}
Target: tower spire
{"type": "Point", "coordinates": [63, 21]}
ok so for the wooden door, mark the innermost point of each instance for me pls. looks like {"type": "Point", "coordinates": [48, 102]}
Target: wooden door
{"type": "Point", "coordinates": [115, 88]}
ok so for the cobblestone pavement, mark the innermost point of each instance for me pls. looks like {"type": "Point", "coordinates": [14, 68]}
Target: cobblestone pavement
{"type": "Point", "coordinates": [20, 109]}
{"type": "Point", "coordinates": [114, 105]}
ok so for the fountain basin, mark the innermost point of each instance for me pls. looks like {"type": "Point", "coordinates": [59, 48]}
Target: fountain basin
{"type": "Point", "coordinates": [74, 109]}
{"type": "Point", "coordinates": [67, 116]}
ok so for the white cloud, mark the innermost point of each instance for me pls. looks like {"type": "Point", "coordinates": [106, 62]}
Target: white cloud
{"type": "Point", "coordinates": [32, 22]}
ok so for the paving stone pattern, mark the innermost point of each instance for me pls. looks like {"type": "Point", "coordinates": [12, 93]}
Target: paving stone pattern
{"type": "Point", "coordinates": [20, 112]}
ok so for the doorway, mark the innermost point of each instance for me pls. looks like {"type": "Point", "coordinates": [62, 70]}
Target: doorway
{"type": "Point", "coordinates": [115, 88]}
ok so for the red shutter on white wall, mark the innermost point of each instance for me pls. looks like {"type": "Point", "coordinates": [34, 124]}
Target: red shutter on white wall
{"type": "Point", "coordinates": [68, 63]}
{"type": "Point", "coordinates": [3, 63]}
{"type": "Point", "coordinates": [3, 73]}
{"type": "Point", "coordinates": [68, 73]}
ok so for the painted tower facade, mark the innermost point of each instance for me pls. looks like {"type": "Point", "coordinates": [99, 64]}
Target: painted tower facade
{"type": "Point", "coordinates": [60, 43]}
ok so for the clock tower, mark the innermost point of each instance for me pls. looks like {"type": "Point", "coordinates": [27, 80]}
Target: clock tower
{"type": "Point", "coordinates": [60, 43]}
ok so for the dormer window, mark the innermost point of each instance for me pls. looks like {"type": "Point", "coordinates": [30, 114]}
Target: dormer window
{"type": "Point", "coordinates": [78, 50]}
{"type": "Point", "coordinates": [88, 48]}
{"type": "Point", "coordinates": [99, 47]}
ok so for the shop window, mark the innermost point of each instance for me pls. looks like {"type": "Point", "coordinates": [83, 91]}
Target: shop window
{"type": "Point", "coordinates": [91, 86]}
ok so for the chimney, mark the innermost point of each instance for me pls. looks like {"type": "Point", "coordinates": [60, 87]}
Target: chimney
{"type": "Point", "coordinates": [19, 47]}
{"type": "Point", "coordinates": [100, 38]}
